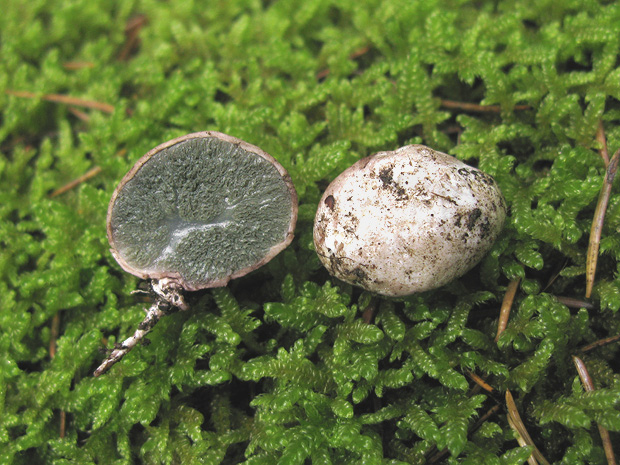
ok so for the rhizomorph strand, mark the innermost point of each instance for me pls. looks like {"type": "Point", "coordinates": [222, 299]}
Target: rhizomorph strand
{"type": "Point", "coordinates": [169, 299]}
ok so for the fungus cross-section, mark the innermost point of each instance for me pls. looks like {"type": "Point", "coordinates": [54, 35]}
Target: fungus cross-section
{"type": "Point", "coordinates": [201, 209]}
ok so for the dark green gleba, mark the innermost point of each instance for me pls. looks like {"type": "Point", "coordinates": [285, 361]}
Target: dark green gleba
{"type": "Point", "coordinates": [194, 213]}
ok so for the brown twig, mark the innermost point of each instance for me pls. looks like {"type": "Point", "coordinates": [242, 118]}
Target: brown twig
{"type": "Point", "coordinates": [600, 343]}
{"type": "Point", "coordinates": [85, 177]}
{"type": "Point", "coordinates": [504, 313]}
{"type": "Point", "coordinates": [597, 222]}
{"type": "Point", "coordinates": [514, 419]}
{"type": "Point", "coordinates": [588, 385]}
{"type": "Point", "coordinates": [475, 107]}
{"type": "Point", "coordinates": [66, 99]}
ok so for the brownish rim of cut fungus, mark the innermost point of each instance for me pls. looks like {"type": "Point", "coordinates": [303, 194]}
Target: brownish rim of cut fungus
{"type": "Point", "coordinates": [174, 278]}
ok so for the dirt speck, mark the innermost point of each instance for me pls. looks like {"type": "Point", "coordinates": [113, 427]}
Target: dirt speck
{"type": "Point", "coordinates": [386, 176]}
{"type": "Point", "coordinates": [472, 217]}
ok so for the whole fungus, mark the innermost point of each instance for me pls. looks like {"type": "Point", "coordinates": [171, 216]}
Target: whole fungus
{"type": "Point", "coordinates": [194, 213]}
{"type": "Point", "coordinates": [407, 221]}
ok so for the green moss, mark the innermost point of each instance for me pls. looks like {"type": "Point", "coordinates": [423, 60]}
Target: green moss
{"type": "Point", "coordinates": [280, 367]}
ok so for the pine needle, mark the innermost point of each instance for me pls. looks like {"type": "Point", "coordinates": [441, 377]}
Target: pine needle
{"type": "Point", "coordinates": [480, 382]}
{"type": "Point", "coordinates": [600, 343]}
{"type": "Point", "coordinates": [514, 419]}
{"type": "Point", "coordinates": [504, 313]}
{"type": "Point", "coordinates": [79, 114]}
{"type": "Point", "coordinates": [477, 108]}
{"type": "Point", "coordinates": [65, 99]}
{"type": "Point", "coordinates": [85, 177]}
{"type": "Point", "coordinates": [574, 303]}
{"type": "Point", "coordinates": [75, 65]}
{"type": "Point", "coordinates": [132, 40]}
{"type": "Point", "coordinates": [601, 139]}
{"type": "Point", "coordinates": [588, 385]}
{"type": "Point", "coordinates": [597, 223]}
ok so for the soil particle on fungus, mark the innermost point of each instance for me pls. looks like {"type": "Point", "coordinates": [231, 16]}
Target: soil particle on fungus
{"type": "Point", "coordinates": [360, 274]}
{"type": "Point", "coordinates": [387, 178]}
{"type": "Point", "coordinates": [472, 217]}
{"type": "Point", "coordinates": [407, 221]}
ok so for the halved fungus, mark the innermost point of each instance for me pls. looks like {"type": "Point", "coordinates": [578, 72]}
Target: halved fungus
{"type": "Point", "coordinates": [194, 213]}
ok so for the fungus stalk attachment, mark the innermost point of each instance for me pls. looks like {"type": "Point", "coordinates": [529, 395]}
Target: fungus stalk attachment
{"type": "Point", "coordinates": [194, 213]}
{"type": "Point", "coordinates": [169, 299]}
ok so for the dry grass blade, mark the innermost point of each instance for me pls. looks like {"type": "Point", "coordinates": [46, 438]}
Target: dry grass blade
{"type": "Point", "coordinates": [597, 223]}
{"type": "Point", "coordinates": [588, 385]}
{"type": "Point", "coordinates": [85, 177]}
{"type": "Point", "coordinates": [66, 99]}
{"type": "Point", "coordinates": [517, 424]}
{"type": "Point", "coordinates": [504, 313]}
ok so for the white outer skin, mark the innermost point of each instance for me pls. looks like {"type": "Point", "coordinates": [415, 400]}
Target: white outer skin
{"type": "Point", "coordinates": [407, 221]}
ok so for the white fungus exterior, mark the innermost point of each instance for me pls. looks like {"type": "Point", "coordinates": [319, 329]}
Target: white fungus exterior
{"type": "Point", "coordinates": [407, 221]}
